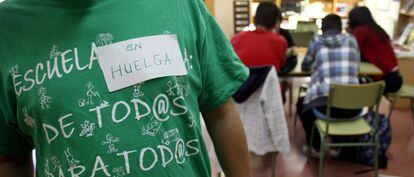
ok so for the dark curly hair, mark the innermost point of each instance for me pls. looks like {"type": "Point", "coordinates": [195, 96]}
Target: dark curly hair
{"type": "Point", "coordinates": [267, 15]}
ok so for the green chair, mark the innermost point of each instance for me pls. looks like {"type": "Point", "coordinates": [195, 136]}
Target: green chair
{"type": "Point", "coordinates": [349, 97]}
{"type": "Point", "coordinates": [406, 92]}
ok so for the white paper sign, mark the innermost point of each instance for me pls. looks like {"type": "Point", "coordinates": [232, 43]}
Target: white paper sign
{"type": "Point", "coordinates": [137, 60]}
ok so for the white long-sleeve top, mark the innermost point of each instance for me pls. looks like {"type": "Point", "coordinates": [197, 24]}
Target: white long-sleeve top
{"type": "Point", "coordinates": [264, 119]}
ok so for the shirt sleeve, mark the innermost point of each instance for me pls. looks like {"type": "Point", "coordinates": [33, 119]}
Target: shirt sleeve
{"type": "Point", "coordinates": [284, 48]}
{"type": "Point", "coordinates": [288, 37]}
{"type": "Point", "coordinates": [12, 140]}
{"type": "Point", "coordinates": [360, 36]}
{"type": "Point", "coordinates": [310, 56]}
{"type": "Point", "coordinates": [221, 69]}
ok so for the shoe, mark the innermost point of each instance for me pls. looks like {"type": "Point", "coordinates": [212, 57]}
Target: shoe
{"type": "Point", "coordinates": [310, 152]}
{"type": "Point", "coordinates": [334, 152]}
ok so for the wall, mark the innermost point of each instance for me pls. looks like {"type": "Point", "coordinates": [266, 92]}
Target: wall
{"type": "Point", "coordinates": [387, 19]}
{"type": "Point", "coordinates": [209, 4]}
{"type": "Point", "coordinates": [406, 66]}
{"type": "Point", "coordinates": [223, 12]}
{"type": "Point", "coordinates": [224, 16]}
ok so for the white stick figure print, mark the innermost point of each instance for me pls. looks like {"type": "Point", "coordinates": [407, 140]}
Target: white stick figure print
{"type": "Point", "coordinates": [71, 159]}
{"type": "Point", "coordinates": [137, 90]}
{"type": "Point", "coordinates": [47, 169]}
{"type": "Point", "coordinates": [187, 59]}
{"type": "Point", "coordinates": [192, 123]}
{"type": "Point", "coordinates": [54, 52]}
{"type": "Point", "coordinates": [110, 140]}
{"type": "Point", "coordinates": [81, 102]}
{"type": "Point", "coordinates": [92, 95]}
{"type": "Point", "coordinates": [171, 136]}
{"type": "Point", "coordinates": [104, 39]}
{"type": "Point", "coordinates": [119, 171]}
{"type": "Point", "coordinates": [28, 119]}
{"type": "Point", "coordinates": [14, 70]}
{"type": "Point", "coordinates": [87, 129]}
{"type": "Point", "coordinates": [173, 89]}
{"type": "Point", "coordinates": [44, 100]}
{"type": "Point", "coordinates": [179, 87]}
{"type": "Point", "coordinates": [55, 163]}
{"type": "Point", "coordinates": [152, 128]}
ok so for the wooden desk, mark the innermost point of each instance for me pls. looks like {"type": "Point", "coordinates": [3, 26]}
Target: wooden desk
{"type": "Point", "coordinates": [365, 68]}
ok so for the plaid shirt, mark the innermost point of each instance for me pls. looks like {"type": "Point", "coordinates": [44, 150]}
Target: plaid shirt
{"type": "Point", "coordinates": [332, 58]}
{"type": "Point", "coordinates": [264, 119]}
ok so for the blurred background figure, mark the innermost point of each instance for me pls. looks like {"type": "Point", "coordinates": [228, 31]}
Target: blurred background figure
{"type": "Point", "coordinates": [333, 57]}
{"type": "Point", "coordinates": [259, 100]}
{"type": "Point", "coordinates": [375, 46]}
{"type": "Point", "coordinates": [262, 46]}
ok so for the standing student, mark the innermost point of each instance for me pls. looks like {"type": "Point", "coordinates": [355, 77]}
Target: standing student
{"type": "Point", "coordinates": [333, 58]}
{"type": "Point", "coordinates": [375, 46]}
{"type": "Point", "coordinates": [110, 88]}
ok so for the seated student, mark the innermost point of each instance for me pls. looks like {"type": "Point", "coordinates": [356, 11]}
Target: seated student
{"type": "Point", "coordinates": [332, 57]}
{"type": "Point", "coordinates": [262, 47]}
{"type": "Point", "coordinates": [375, 46]}
{"type": "Point", "coordinates": [291, 55]}
{"type": "Point", "coordinates": [291, 61]}
{"type": "Point", "coordinates": [268, 44]}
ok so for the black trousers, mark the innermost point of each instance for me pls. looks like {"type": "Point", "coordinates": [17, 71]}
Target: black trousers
{"type": "Point", "coordinates": [308, 119]}
{"type": "Point", "coordinates": [393, 82]}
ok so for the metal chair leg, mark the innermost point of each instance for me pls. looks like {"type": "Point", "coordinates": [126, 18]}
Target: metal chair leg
{"type": "Point", "coordinates": [274, 154]}
{"type": "Point", "coordinates": [376, 156]}
{"type": "Point", "coordinates": [392, 100]}
{"type": "Point", "coordinates": [322, 156]}
{"type": "Point", "coordinates": [290, 97]}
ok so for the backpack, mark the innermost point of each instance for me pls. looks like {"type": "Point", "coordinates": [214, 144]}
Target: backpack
{"type": "Point", "coordinates": [384, 137]}
{"type": "Point", "coordinates": [365, 154]}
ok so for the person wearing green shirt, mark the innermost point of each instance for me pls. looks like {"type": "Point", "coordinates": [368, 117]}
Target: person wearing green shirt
{"type": "Point", "coordinates": [115, 88]}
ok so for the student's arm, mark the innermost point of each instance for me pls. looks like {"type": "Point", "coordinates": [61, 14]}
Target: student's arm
{"type": "Point", "coordinates": [227, 134]}
{"type": "Point", "coordinates": [310, 56]}
{"type": "Point", "coordinates": [284, 47]}
{"type": "Point", "coordinates": [290, 56]}
{"type": "Point", "coordinates": [19, 166]}
{"type": "Point", "coordinates": [222, 74]}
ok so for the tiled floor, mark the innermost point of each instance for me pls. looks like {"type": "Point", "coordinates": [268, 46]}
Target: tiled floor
{"type": "Point", "coordinates": [400, 154]}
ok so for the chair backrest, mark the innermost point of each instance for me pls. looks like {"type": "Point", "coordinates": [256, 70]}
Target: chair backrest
{"type": "Point", "coordinates": [355, 96]}
{"type": "Point", "coordinates": [302, 39]}
{"type": "Point", "coordinates": [304, 26]}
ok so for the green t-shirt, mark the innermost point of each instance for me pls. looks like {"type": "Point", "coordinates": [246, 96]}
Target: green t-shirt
{"type": "Point", "coordinates": [54, 98]}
